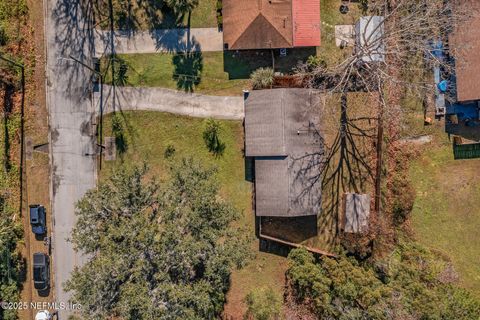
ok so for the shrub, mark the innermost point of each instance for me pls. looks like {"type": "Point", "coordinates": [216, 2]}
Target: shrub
{"type": "Point", "coordinates": [316, 61]}
{"type": "Point", "coordinates": [403, 198]}
{"type": "Point", "coordinates": [211, 136]}
{"type": "Point", "coordinates": [262, 78]}
{"type": "Point", "coordinates": [263, 304]}
{"type": "Point", "coordinates": [169, 151]}
{"type": "Point", "coordinates": [407, 284]}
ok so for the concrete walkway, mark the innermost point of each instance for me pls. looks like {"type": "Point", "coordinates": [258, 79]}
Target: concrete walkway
{"type": "Point", "coordinates": [163, 40]}
{"type": "Point", "coordinates": [172, 101]}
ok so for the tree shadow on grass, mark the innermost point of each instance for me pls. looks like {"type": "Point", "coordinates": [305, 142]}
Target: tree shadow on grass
{"type": "Point", "coordinates": [348, 165]}
{"type": "Point", "coordinates": [118, 131]}
{"type": "Point", "coordinates": [188, 66]}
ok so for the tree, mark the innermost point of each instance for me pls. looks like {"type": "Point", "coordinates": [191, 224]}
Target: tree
{"type": "Point", "coordinates": [263, 304]}
{"type": "Point", "coordinates": [211, 136]}
{"type": "Point", "coordinates": [156, 251]}
{"type": "Point", "coordinates": [411, 286]}
{"type": "Point", "coordinates": [182, 7]}
{"type": "Point", "coordinates": [404, 39]}
{"type": "Point", "coordinates": [262, 78]}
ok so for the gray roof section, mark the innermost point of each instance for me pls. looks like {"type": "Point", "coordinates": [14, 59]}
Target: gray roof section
{"type": "Point", "coordinates": [282, 132]}
{"type": "Point", "coordinates": [271, 185]}
{"type": "Point", "coordinates": [264, 124]}
{"type": "Point", "coordinates": [280, 122]}
{"type": "Point", "coordinates": [357, 212]}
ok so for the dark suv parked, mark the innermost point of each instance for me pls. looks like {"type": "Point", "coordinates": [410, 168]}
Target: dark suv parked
{"type": "Point", "coordinates": [41, 271]}
{"type": "Point", "coordinates": [38, 219]}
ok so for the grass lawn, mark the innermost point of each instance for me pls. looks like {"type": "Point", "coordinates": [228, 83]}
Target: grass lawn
{"type": "Point", "coordinates": [205, 15]}
{"type": "Point", "coordinates": [330, 15]}
{"type": "Point", "coordinates": [446, 216]}
{"type": "Point", "coordinates": [212, 73]}
{"type": "Point", "coordinates": [140, 15]}
{"type": "Point", "coordinates": [162, 69]}
{"type": "Point", "coordinates": [147, 135]}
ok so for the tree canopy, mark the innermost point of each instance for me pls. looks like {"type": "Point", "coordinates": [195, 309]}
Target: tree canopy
{"type": "Point", "coordinates": [157, 251]}
{"type": "Point", "coordinates": [412, 284]}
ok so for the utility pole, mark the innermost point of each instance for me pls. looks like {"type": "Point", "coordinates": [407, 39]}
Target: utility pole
{"type": "Point", "coordinates": [378, 171]}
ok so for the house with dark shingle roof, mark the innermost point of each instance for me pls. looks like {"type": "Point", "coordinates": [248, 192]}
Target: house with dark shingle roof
{"type": "Point", "coordinates": [283, 136]}
{"type": "Point", "coordinates": [268, 24]}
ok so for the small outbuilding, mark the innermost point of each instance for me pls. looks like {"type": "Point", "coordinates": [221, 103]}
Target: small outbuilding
{"type": "Point", "coordinates": [369, 35]}
{"type": "Point", "coordinates": [356, 212]}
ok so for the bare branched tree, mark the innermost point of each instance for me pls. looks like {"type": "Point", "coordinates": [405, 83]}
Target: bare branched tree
{"type": "Point", "coordinates": [395, 50]}
{"type": "Point", "coordinates": [400, 43]}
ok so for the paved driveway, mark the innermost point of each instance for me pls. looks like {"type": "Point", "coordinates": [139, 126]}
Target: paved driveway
{"type": "Point", "coordinates": [166, 100]}
{"type": "Point", "coordinates": [71, 142]}
{"type": "Point", "coordinates": [165, 40]}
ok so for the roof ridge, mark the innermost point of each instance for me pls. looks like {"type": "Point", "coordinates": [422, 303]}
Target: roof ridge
{"type": "Point", "coordinates": [291, 24]}
{"type": "Point", "coordinates": [261, 15]}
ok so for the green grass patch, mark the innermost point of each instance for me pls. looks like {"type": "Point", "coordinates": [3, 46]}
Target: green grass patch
{"type": "Point", "coordinates": [330, 16]}
{"type": "Point", "coordinates": [204, 71]}
{"type": "Point", "coordinates": [145, 136]}
{"type": "Point", "coordinates": [137, 15]}
{"type": "Point", "coordinates": [213, 73]}
{"type": "Point", "coordinates": [445, 215]}
{"type": "Point", "coordinates": [205, 15]}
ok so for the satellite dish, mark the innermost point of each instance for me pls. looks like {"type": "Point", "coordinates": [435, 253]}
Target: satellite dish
{"type": "Point", "coordinates": [43, 315]}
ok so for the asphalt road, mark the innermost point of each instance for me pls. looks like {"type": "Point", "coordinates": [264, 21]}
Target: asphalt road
{"type": "Point", "coordinates": [71, 141]}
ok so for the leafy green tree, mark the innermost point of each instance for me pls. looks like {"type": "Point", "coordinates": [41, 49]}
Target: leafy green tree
{"type": "Point", "coordinates": [211, 136]}
{"type": "Point", "coordinates": [263, 304]}
{"type": "Point", "coordinates": [182, 7]}
{"type": "Point", "coordinates": [156, 251]}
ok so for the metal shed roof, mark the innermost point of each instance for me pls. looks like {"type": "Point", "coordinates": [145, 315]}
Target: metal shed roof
{"type": "Point", "coordinates": [369, 38]}
{"type": "Point", "coordinates": [356, 212]}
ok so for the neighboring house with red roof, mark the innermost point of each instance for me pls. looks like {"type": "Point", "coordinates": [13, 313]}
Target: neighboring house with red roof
{"type": "Point", "coordinates": [269, 24]}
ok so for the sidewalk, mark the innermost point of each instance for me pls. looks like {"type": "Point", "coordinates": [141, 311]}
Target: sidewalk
{"type": "Point", "coordinates": [163, 40]}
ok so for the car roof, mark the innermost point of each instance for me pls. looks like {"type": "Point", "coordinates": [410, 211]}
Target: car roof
{"type": "Point", "coordinates": [39, 257]}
